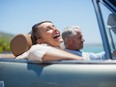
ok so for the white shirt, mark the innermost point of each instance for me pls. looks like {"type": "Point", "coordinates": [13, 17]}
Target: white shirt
{"type": "Point", "coordinates": [87, 55]}
{"type": "Point", "coordinates": [35, 53]}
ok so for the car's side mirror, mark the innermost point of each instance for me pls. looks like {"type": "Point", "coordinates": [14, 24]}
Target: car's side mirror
{"type": "Point", "coordinates": [112, 22]}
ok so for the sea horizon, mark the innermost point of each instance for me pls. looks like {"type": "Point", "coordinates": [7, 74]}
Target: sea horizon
{"type": "Point", "coordinates": [91, 47]}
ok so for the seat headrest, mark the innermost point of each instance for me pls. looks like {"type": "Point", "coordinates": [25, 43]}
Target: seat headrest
{"type": "Point", "coordinates": [20, 44]}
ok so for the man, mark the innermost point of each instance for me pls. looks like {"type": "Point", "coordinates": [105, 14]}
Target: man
{"type": "Point", "coordinates": [45, 36]}
{"type": "Point", "coordinates": [73, 41]}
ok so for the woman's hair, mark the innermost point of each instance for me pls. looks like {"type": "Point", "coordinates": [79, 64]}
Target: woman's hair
{"type": "Point", "coordinates": [35, 33]}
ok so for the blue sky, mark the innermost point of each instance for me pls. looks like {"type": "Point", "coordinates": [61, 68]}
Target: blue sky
{"type": "Point", "coordinates": [18, 16]}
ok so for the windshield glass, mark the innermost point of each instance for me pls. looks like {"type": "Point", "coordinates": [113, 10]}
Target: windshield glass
{"type": "Point", "coordinates": [110, 24]}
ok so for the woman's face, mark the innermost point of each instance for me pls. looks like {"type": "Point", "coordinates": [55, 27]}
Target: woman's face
{"type": "Point", "coordinates": [49, 35]}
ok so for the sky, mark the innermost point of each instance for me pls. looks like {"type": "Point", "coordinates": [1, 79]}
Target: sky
{"type": "Point", "coordinates": [18, 16]}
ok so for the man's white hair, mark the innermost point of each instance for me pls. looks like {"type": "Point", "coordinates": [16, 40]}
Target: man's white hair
{"type": "Point", "coordinates": [69, 32]}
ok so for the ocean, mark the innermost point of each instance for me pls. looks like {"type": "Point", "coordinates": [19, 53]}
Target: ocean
{"type": "Point", "coordinates": [95, 48]}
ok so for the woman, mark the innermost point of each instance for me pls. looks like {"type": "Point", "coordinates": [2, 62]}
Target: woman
{"type": "Point", "coordinates": [46, 43]}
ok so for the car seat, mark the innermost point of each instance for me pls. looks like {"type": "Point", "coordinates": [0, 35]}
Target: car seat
{"type": "Point", "coordinates": [20, 44]}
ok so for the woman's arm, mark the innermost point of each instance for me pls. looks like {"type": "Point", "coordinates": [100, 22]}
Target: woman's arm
{"type": "Point", "coordinates": [57, 54]}
{"type": "Point", "coordinates": [40, 53]}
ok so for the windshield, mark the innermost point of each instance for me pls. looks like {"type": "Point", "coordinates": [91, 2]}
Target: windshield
{"type": "Point", "coordinates": [110, 25]}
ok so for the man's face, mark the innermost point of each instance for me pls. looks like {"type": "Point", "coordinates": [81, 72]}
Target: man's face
{"type": "Point", "coordinates": [78, 40]}
{"type": "Point", "coordinates": [50, 35]}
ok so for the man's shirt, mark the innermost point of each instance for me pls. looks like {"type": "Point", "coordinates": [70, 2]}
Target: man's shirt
{"type": "Point", "coordinates": [90, 55]}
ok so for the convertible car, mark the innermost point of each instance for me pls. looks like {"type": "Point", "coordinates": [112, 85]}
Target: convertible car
{"type": "Point", "coordinates": [100, 73]}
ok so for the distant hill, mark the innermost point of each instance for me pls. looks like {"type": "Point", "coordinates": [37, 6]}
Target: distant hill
{"type": "Point", "coordinates": [5, 39]}
{"type": "Point", "coordinates": [7, 36]}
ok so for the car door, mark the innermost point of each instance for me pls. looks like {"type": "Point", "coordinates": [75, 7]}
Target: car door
{"type": "Point", "coordinates": [16, 73]}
